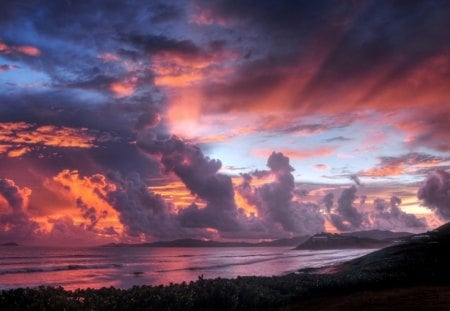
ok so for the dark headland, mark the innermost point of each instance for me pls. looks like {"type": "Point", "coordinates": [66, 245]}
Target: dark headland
{"type": "Point", "coordinates": [356, 240]}
{"type": "Point", "coordinates": [413, 275]}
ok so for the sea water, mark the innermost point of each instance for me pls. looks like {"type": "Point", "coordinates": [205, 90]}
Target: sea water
{"type": "Point", "coordinates": [124, 267]}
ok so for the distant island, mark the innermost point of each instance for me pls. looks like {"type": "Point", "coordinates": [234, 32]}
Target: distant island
{"type": "Point", "coordinates": [9, 244]}
{"type": "Point", "coordinates": [294, 241]}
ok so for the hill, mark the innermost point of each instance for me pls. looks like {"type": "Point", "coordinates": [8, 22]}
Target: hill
{"type": "Point", "coordinates": [323, 241]}
{"type": "Point", "coordinates": [378, 234]}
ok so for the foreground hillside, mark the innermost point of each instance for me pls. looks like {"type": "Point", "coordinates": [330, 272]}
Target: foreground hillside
{"type": "Point", "coordinates": [391, 278]}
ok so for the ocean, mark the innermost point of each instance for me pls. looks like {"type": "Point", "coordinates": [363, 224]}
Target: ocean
{"type": "Point", "coordinates": [124, 267]}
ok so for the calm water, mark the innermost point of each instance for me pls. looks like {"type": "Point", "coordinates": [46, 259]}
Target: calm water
{"type": "Point", "coordinates": [124, 267]}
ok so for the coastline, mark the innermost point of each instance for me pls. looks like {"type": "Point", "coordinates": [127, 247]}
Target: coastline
{"type": "Point", "coordinates": [390, 278]}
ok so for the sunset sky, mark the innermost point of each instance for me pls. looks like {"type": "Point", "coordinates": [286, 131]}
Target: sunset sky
{"type": "Point", "coordinates": [131, 121]}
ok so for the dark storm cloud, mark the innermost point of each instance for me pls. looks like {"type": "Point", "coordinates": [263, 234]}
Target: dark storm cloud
{"type": "Point", "coordinates": [355, 179]}
{"type": "Point", "coordinates": [357, 44]}
{"type": "Point", "coordinates": [201, 177]}
{"type": "Point", "coordinates": [153, 44]}
{"type": "Point", "coordinates": [273, 16]}
{"type": "Point", "coordinates": [90, 214]}
{"type": "Point", "coordinates": [15, 225]}
{"type": "Point", "coordinates": [81, 33]}
{"type": "Point", "coordinates": [415, 28]}
{"type": "Point", "coordinates": [163, 12]}
{"type": "Point", "coordinates": [278, 195]}
{"type": "Point", "coordinates": [275, 200]}
{"type": "Point", "coordinates": [328, 200]}
{"type": "Point", "coordinates": [435, 193]}
{"type": "Point", "coordinates": [346, 217]}
{"type": "Point", "coordinates": [288, 28]}
{"type": "Point", "coordinates": [140, 210]}
{"type": "Point", "coordinates": [388, 216]}
{"type": "Point", "coordinates": [112, 125]}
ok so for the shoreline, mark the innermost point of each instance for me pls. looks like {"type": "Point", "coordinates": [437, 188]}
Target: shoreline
{"type": "Point", "coordinates": [386, 275]}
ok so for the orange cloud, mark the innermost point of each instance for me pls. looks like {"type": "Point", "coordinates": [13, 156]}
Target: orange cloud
{"type": "Point", "coordinates": [385, 171]}
{"type": "Point", "coordinates": [18, 138]}
{"type": "Point", "coordinates": [123, 88]}
{"type": "Point", "coordinates": [23, 49]}
{"type": "Point", "coordinates": [14, 153]}
{"type": "Point", "coordinates": [408, 163]}
{"type": "Point", "coordinates": [176, 193]}
{"type": "Point", "coordinates": [242, 203]}
{"type": "Point", "coordinates": [91, 190]}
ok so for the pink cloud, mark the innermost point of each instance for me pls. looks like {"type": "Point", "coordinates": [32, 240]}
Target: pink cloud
{"type": "Point", "coordinates": [109, 57]}
{"type": "Point", "coordinates": [300, 153]}
{"type": "Point", "coordinates": [22, 49]}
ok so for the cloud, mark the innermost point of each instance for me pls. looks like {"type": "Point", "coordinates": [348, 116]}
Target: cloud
{"type": "Point", "coordinates": [121, 89]}
{"type": "Point", "coordinates": [7, 67]}
{"type": "Point", "coordinates": [17, 152]}
{"type": "Point", "coordinates": [435, 193]}
{"type": "Point", "coordinates": [15, 224]}
{"type": "Point", "coordinates": [27, 50]}
{"type": "Point", "coordinates": [338, 139]}
{"type": "Point", "coordinates": [23, 137]}
{"type": "Point", "coordinates": [275, 200]}
{"type": "Point", "coordinates": [328, 200]}
{"type": "Point", "coordinates": [428, 127]}
{"type": "Point", "coordinates": [123, 206]}
{"type": "Point", "coordinates": [65, 231]}
{"type": "Point", "coordinates": [90, 213]}
{"type": "Point", "coordinates": [321, 167]}
{"type": "Point", "coordinates": [388, 216]}
{"type": "Point", "coordinates": [154, 44]}
{"type": "Point", "coordinates": [300, 153]}
{"type": "Point", "coordinates": [141, 211]}
{"type": "Point", "coordinates": [109, 57]}
{"type": "Point", "coordinates": [201, 177]}
{"type": "Point", "coordinates": [355, 179]}
{"type": "Point", "coordinates": [346, 217]}
{"type": "Point", "coordinates": [407, 163]}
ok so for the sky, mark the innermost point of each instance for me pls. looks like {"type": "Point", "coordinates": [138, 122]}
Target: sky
{"type": "Point", "coordinates": [133, 121]}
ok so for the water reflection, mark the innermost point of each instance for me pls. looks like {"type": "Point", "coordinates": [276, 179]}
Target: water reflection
{"type": "Point", "coordinates": [128, 266]}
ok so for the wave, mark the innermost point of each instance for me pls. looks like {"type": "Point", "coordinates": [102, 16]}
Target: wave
{"type": "Point", "coordinates": [224, 265]}
{"type": "Point", "coordinates": [250, 255]}
{"type": "Point", "coordinates": [324, 261]}
{"type": "Point", "coordinates": [58, 268]}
